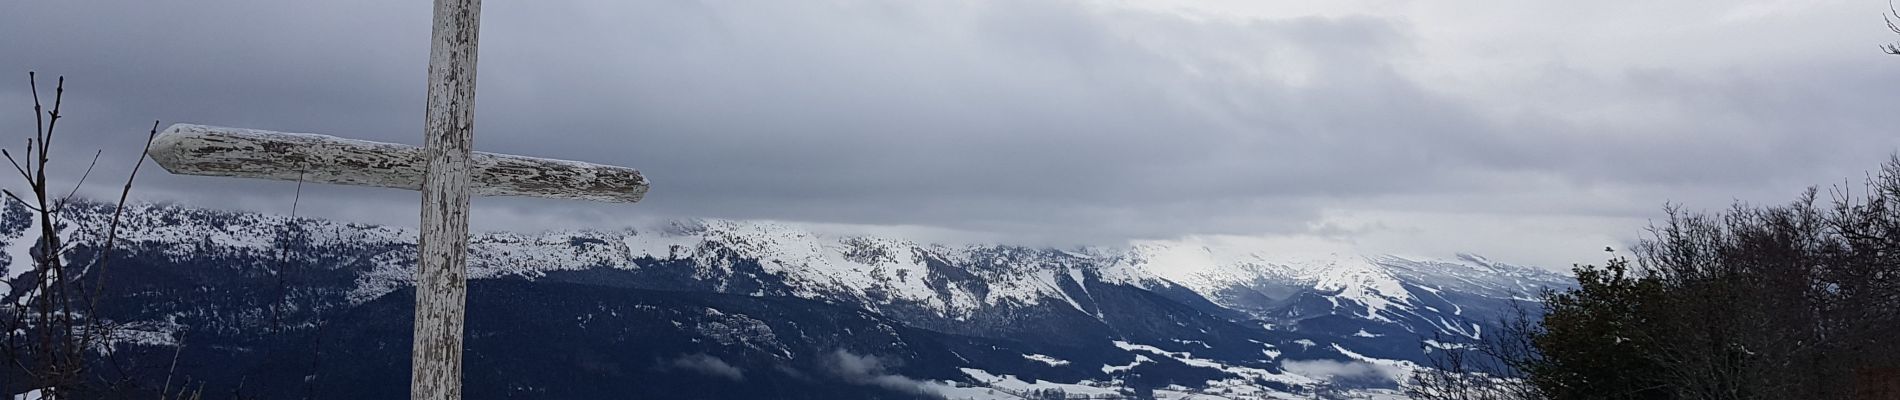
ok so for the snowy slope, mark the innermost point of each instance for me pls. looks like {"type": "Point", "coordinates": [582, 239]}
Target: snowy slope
{"type": "Point", "coordinates": [1288, 280]}
{"type": "Point", "coordinates": [1235, 308]}
{"type": "Point", "coordinates": [1209, 265]}
{"type": "Point", "coordinates": [1269, 278]}
{"type": "Point", "coordinates": [872, 271]}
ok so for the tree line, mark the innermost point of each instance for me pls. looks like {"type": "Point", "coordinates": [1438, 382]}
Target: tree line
{"type": "Point", "coordinates": [1793, 301]}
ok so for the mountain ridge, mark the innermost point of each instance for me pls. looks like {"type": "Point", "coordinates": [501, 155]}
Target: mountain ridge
{"type": "Point", "coordinates": [1243, 325]}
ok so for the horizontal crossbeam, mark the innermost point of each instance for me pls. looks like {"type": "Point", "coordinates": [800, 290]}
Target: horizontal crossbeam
{"type": "Point", "coordinates": [250, 153]}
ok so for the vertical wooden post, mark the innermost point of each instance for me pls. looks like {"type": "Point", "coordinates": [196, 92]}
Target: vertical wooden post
{"type": "Point", "coordinates": [441, 270]}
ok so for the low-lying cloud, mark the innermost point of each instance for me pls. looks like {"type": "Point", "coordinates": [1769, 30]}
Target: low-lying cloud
{"type": "Point", "coordinates": [709, 365]}
{"type": "Point", "coordinates": [865, 369]}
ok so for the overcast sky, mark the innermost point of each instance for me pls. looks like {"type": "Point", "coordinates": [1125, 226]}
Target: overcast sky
{"type": "Point", "coordinates": [1533, 132]}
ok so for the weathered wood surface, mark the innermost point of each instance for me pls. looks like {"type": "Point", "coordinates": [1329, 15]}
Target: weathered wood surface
{"type": "Point", "coordinates": [250, 153]}
{"type": "Point", "coordinates": [442, 264]}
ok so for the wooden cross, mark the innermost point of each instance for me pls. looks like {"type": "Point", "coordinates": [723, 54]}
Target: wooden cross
{"type": "Point", "coordinates": [445, 169]}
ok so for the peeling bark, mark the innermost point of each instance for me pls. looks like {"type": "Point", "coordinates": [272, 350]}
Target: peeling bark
{"type": "Point", "coordinates": [442, 264]}
{"type": "Point", "coordinates": [250, 153]}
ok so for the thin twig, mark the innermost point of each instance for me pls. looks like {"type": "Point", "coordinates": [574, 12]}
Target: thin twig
{"type": "Point", "coordinates": [173, 370]}
{"type": "Point", "coordinates": [28, 206]}
{"type": "Point", "coordinates": [82, 181]}
{"type": "Point", "coordinates": [16, 164]}
{"type": "Point", "coordinates": [39, 123]}
{"type": "Point", "coordinates": [283, 257]}
{"type": "Point", "coordinates": [112, 230]}
{"type": "Point", "coordinates": [59, 96]}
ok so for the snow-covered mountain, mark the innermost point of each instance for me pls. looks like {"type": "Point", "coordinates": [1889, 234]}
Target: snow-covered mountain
{"type": "Point", "coordinates": [1198, 315]}
{"type": "Point", "coordinates": [1327, 286]}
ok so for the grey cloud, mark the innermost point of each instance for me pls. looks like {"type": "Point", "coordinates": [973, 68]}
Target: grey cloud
{"type": "Point", "coordinates": [1049, 121]}
{"type": "Point", "coordinates": [977, 115]}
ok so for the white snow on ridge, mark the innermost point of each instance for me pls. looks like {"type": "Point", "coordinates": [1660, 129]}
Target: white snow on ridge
{"type": "Point", "coordinates": [19, 251]}
{"type": "Point", "coordinates": [1338, 270]}
{"type": "Point", "coordinates": [875, 270]}
{"type": "Point", "coordinates": [1208, 264]}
